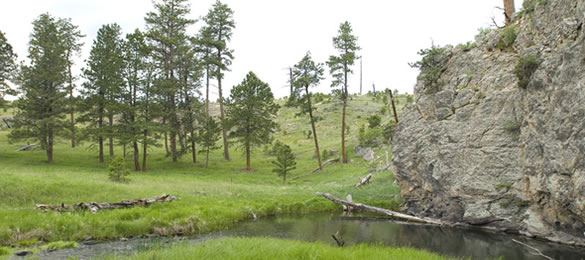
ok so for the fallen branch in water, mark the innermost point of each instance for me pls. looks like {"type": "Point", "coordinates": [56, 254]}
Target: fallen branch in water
{"type": "Point", "coordinates": [538, 252]}
{"type": "Point", "coordinates": [94, 206]}
{"type": "Point", "coordinates": [364, 181]}
{"type": "Point", "coordinates": [339, 240]}
{"type": "Point", "coordinates": [382, 211]}
{"type": "Point", "coordinates": [315, 170]}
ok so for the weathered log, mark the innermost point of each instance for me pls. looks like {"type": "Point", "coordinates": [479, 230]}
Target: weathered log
{"type": "Point", "coordinates": [382, 211]}
{"type": "Point", "coordinates": [6, 123]}
{"type": "Point", "coordinates": [95, 207]}
{"type": "Point", "coordinates": [26, 148]}
{"type": "Point", "coordinates": [364, 181]}
{"type": "Point", "coordinates": [348, 208]}
{"type": "Point", "coordinates": [317, 169]}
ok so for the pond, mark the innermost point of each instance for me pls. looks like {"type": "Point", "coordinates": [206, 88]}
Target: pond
{"type": "Point", "coordinates": [476, 244]}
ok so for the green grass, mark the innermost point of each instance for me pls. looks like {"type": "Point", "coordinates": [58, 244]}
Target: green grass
{"type": "Point", "coordinates": [59, 245]}
{"type": "Point", "coordinates": [270, 248]}
{"type": "Point", "coordinates": [210, 199]}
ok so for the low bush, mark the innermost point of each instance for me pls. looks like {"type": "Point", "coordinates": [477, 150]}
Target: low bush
{"type": "Point", "coordinates": [507, 38]}
{"type": "Point", "coordinates": [431, 67]}
{"type": "Point", "coordinates": [117, 170]}
{"type": "Point", "coordinates": [526, 66]}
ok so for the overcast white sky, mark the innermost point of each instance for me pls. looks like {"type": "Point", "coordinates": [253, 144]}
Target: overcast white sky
{"type": "Point", "coordinates": [272, 35]}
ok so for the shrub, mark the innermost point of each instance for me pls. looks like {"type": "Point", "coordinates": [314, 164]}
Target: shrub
{"type": "Point", "coordinates": [507, 38]}
{"type": "Point", "coordinates": [528, 6]}
{"type": "Point", "coordinates": [512, 127]}
{"type": "Point", "coordinates": [117, 169]}
{"type": "Point", "coordinates": [369, 138]}
{"type": "Point", "coordinates": [526, 66]}
{"type": "Point", "coordinates": [389, 129]}
{"type": "Point", "coordinates": [482, 33]}
{"type": "Point", "coordinates": [325, 155]}
{"type": "Point", "coordinates": [467, 46]}
{"type": "Point", "coordinates": [374, 121]}
{"type": "Point", "coordinates": [431, 67]}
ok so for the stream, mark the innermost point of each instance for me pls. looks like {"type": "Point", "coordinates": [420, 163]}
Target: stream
{"type": "Point", "coordinates": [467, 243]}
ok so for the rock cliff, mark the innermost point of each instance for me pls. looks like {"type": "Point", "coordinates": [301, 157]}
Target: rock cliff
{"type": "Point", "coordinates": [478, 148]}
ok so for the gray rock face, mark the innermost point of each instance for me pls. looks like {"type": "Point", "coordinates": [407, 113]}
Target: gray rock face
{"type": "Point", "coordinates": [486, 152]}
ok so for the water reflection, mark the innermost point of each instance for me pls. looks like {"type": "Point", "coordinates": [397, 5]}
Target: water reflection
{"type": "Point", "coordinates": [473, 244]}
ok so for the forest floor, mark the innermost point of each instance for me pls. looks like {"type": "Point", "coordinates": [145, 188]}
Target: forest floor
{"type": "Point", "coordinates": [209, 199]}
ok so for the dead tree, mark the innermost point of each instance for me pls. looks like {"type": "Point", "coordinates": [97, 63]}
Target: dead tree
{"type": "Point", "coordinates": [509, 10]}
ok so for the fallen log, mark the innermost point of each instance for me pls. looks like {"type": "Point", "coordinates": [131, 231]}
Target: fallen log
{"type": "Point", "coordinates": [26, 148]}
{"type": "Point", "coordinates": [315, 170]}
{"type": "Point", "coordinates": [382, 211]}
{"type": "Point", "coordinates": [364, 181]}
{"type": "Point", "coordinates": [94, 207]}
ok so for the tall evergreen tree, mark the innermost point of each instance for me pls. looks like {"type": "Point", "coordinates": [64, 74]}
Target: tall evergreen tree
{"type": "Point", "coordinates": [41, 108]}
{"type": "Point", "coordinates": [104, 85]}
{"type": "Point", "coordinates": [219, 25]}
{"type": "Point", "coordinates": [72, 37]}
{"type": "Point", "coordinates": [306, 74]}
{"type": "Point", "coordinates": [7, 66]}
{"type": "Point", "coordinates": [204, 47]}
{"type": "Point", "coordinates": [167, 30]}
{"type": "Point", "coordinates": [135, 72]}
{"type": "Point", "coordinates": [339, 66]}
{"type": "Point", "coordinates": [250, 114]}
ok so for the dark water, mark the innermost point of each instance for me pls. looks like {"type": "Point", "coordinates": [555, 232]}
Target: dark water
{"type": "Point", "coordinates": [465, 243]}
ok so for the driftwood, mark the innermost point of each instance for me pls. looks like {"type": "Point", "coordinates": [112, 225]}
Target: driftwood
{"type": "Point", "coordinates": [95, 207]}
{"type": "Point", "coordinates": [338, 239]}
{"type": "Point", "coordinates": [537, 252]}
{"type": "Point", "coordinates": [364, 181]}
{"type": "Point", "coordinates": [6, 123]}
{"type": "Point", "coordinates": [382, 211]}
{"type": "Point", "coordinates": [26, 148]}
{"type": "Point", "coordinates": [317, 169]}
{"type": "Point", "coordinates": [348, 208]}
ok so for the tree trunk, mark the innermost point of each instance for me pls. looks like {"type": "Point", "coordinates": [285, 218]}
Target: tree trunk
{"type": "Point", "coordinates": [393, 106]}
{"type": "Point", "coordinates": [345, 93]}
{"type": "Point", "coordinates": [313, 126]}
{"type": "Point", "coordinates": [71, 100]}
{"type": "Point", "coordinates": [144, 148]}
{"type": "Point", "coordinates": [207, 91]}
{"type": "Point", "coordinates": [291, 83]}
{"type": "Point", "coordinates": [226, 152]}
{"type": "Point", "coordinates": [101, 140]}
{"type": "Point", "coordinates": [111, 132]}
{"type": "Point", "coordinates": [207, 158]}
{"type": "Point", "coordinates": [50, 146]}
{"type": "Point", "coordinates": [284, 179]}
{"type": "Point", "coordinates": [136, 157]}
{"type": "Point", "coordinates": [193, 150]}
{"type": "Point", "coordinates": [248, 166]}
{"type": "Point", "coordinates": [124, 150]}
{"type": "Point", "coordinates": [509, 10]}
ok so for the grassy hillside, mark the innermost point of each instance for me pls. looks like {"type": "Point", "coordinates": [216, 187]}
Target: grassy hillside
{"type": "Point", "coordinates": [210, 199]}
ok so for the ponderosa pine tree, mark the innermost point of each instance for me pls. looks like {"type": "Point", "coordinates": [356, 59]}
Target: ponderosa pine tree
{"type": "Point", "coordinates": [72, 37]}
{"type": "Point", "coordinates": [167, 31]}
{"type": "Point", "coordinates": [250, 114]}
{"type": "Point", "coordinates": [135, 72]}
{"type": "Point", "coordinates": [339, 66]}
{"type": "Point", "coordinates": [219, 24]}
{"type": "Point", "coordinates": [42, 106]}
{"type": "Point", "coordinates": [509, 10]}
{"type": "Point", "coordinates": [7, 67]}
{"type": "Point", "coordinates": [103, 87]}
{"type": "Point", "coordinates": [204, 48]}
{"type": "Point", "coordinates": [307, 74]}
{"type": "Point", "coordinates": [285, 161]}
{"type": "Point", "coordinates": [209, 134]}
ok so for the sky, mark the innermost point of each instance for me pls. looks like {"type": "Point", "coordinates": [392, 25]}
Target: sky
{"type": "Point", "coordinates": [273, 35]}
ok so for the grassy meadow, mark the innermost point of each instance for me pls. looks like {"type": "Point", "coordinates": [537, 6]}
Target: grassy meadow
{"type": "Point", "coordinates": [209, 199]}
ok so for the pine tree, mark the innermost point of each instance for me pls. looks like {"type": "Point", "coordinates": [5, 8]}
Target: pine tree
{"type": "Point", "coordinates": [250, 114]}
{"type": "Point", "coordinates": [285, 161]}
{"type": "Point", "coordinates": [104, 86]}
{"type": "Point", "coordinates": [218, 31]}
{"type": "Point", "coordinates": [166, 29]}
{"type": "Point", "coordinates": [72, 37]}
{"type": "Point", "coordinates": [346, 44]}
{"type": "Point", "coordinates": [306, 74]}
{"type": "Point", "coordinates": [209, 134]}
{"type": "Point", "coordinates": [41, 108]}
{"type": "Point", "coordinates": [509, 10]}
{"type": "Point", "coordinates": [7, 67]}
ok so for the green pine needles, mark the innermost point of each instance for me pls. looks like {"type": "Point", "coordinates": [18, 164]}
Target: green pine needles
{"type": "Point", "coordinates": [285, 160]}
{"type": "Point", "coordinates": [117, 170]}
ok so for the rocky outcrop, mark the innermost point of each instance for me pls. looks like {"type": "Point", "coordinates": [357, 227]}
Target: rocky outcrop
{"type": "Point", "coordinates": [483, 151]}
